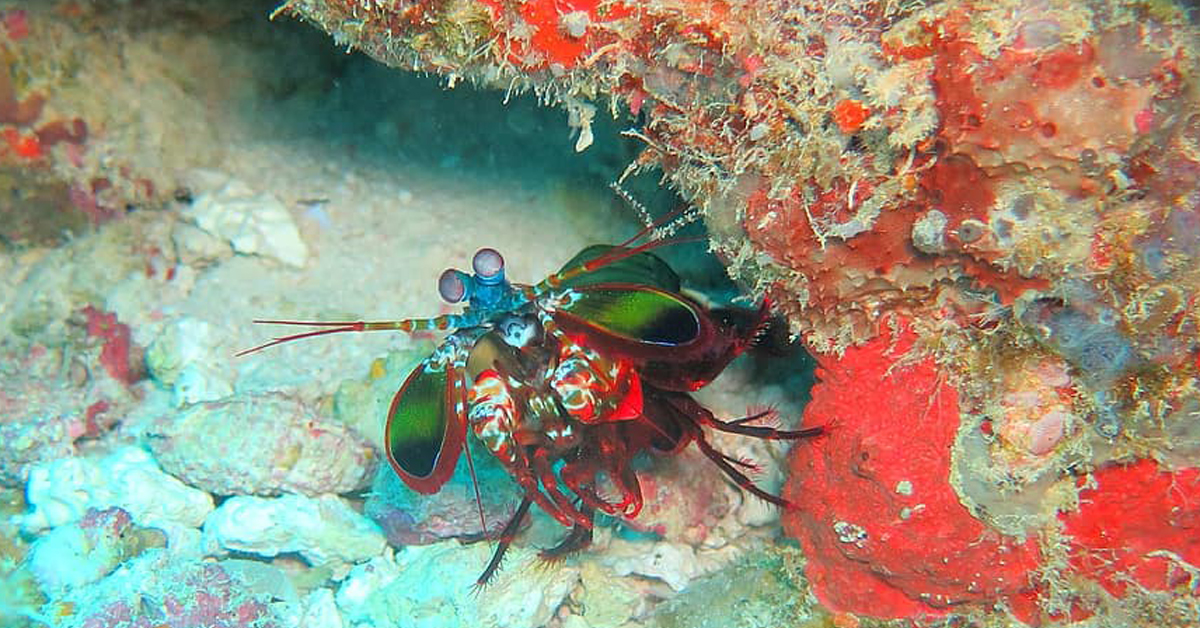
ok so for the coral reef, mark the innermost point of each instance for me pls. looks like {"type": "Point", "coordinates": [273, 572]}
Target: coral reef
{"type": "Point", "coordinates": [182, 358]}
{"type": "Point", "coordinates": [83, 552]}
{"type": "Point", "coordinates": [1015, 180]}
{"type": "Point", "coordinates": [270, 232]}
{"type": "Point", "coordinates": [429, 587]}
{"type": "Point", "coordinates": [324, 530]}
{"type": "Point", "coordinates": [761, 590]}
{"type": "Point", "coordinates": [1136, 529]}
{"type": "Point", "coordinates": [159, 589]}
{"type": "Point", "coordinates": [983, 216]}
{"type": "Point", "coordinates": [65, 490]}
{"type": "Point", "coordinates": [20, 597]}
{"type": "Point", "coordinates": [74, 159]}
{"type": "Point", "coordinates": [56, 397]}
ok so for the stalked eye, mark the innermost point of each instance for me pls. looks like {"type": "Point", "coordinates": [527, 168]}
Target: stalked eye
{"type": "Point", "coordinates": [451, 285]}
{"type": "Point", "coordinates": [488, 263]}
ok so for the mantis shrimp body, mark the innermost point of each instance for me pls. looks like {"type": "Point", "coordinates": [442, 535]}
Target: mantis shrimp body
{"type": "Point", "coordinates": [564, 382]}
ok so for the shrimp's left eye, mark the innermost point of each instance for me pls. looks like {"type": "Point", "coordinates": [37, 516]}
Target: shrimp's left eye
{"type": "Point", "coordinates": [488, 263]}
{"type": "Point", "coordinates": [451, 285]}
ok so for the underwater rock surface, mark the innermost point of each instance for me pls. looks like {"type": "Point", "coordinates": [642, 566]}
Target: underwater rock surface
{"type": "Point", "coordinates": [982, 216]}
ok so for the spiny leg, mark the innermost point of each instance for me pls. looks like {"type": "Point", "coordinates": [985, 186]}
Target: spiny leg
{"type": "Point", "coordinates": [506, 538]}
{"type": "Point", "coordinates": [578, 538]}
{"type": "Point", "coordinates": [533, 492]}
{"type": "Point", "coordinates": [704, 416]}
{"type": "Point", "coordinates": [766, 433]}
{"type": "Point", "coordinates": [739, 478]}
{"type": "Point", "coordinates": [579, 479]}
{"type": "Point", "coordinates": [631, 495]}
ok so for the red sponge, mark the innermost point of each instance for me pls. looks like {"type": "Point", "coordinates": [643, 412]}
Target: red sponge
{"type": "Point", "coordinates": [1135, 525]}
{"type": "Point", "coordinates": [884, 531]}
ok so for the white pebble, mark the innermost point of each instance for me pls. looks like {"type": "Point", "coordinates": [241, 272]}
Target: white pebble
{"type": "Point", "coordinates": [324, 530]}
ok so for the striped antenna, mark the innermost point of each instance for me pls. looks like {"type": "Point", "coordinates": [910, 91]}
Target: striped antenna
{"type": "Point", "coordinates": [408, 325]}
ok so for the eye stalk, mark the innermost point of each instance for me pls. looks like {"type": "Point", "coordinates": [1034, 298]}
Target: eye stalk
{"type": "Point", "coordinates": [453, 285]}
{"type": "Point", "coordinates": [484, 291]}
{"type": "Point", "coordinates": [489, 266]}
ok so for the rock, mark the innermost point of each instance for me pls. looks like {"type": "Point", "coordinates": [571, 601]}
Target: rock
{"type": "Point", "coordinates": [608, 600]}
{"type": "Point", "coordinates": [161, 589]}
{"type": "Point", "coordinates": [85, 551]}
{"type": "Point", "coordinates": [321, 611]}
{"type": "Point", "coordinates": [364, 580]}
{"type": "Point", "coordinates": [674, 563]}
{"type": "Point", "coordinates": [49, 399]}
{"type": "Point", "coordinates": [32, 439]}
{"type": "Point", "coordinates": [762, 590]}
{"type": "Point", "coordinates": [409, 518]}
{"type": "Point", "coordinates": [262, 444]}
{"type": "Point", "coordinates": [431, 587]}
{"type": "Point", "coordinates": [197, 247]}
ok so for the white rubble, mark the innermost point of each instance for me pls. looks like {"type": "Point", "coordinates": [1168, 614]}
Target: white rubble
{"type": "Point", "coordinates": [184, 358]}
{"type": "Point", "coordinates": [69, 557]}
{"type": "Point", "coordinates": [676, 564]}
{"type": "Point", "coordinates": [197, 247]}
{"type": "Point", "coordinates": [61, 491]}
{"type": "Point", "coordinates": [320, 611]}
{"type": "Point", "coordinates": [432, 586]}
{"type": "Point", "coordinates": [325, 530]}
{"type": "Point", "coordinates": [253, 223]}
{"type": "Point", "coordinates": [364, 580]}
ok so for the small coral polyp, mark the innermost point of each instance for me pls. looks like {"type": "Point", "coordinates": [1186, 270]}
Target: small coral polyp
{"type": "Point", "coordinates": [1035, 414]}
